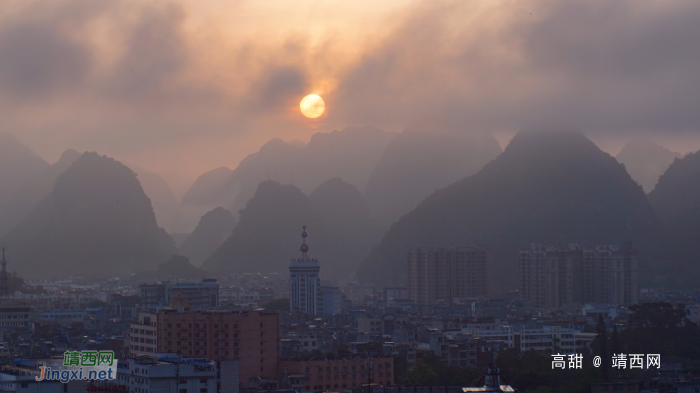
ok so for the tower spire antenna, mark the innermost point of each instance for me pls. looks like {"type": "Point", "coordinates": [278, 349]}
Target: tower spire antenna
{"type": "Point", "coordinates": [4, 287]}
{"type": "Point", "coordinates": [304, 247]}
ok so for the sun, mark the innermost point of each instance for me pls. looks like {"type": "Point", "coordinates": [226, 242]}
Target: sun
{"type": "Point", "coordinates": [312, 106]}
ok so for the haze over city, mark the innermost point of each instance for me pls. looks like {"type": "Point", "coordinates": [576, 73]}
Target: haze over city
{"type": "Point", "coordinates": [321, 196]}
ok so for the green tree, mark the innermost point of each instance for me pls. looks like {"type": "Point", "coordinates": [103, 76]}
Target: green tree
{"type": "Point", "coordinates": [97, 304]}
{"type": "Point", "coordinates": [602, 344]}
{"type": "Point", "coordinates": [615, 343]}
{"type": "Point", "coordinates": [281, 304]}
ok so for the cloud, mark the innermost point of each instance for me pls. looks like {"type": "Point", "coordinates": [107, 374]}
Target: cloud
{"type": "Point", "coordinates": [38, 57]}
{"type": "Point", "coordinates": [155, 52]}
{"type": "Point", "coordinates": [182, 88]}
{"type": "Point", "coordinates": [611, 67]}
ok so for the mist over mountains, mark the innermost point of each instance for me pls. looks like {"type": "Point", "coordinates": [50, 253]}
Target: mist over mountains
{"type": "Point", "coordinates": [676, 199]}
{"type": "Point", "coordinates": [646, 161]}
{"type": "Point", "coordinates": [17, 164]}
{"type": "Point", "coordinates": [419, 161]}
{"type": "Point", "coordinates": [264, 241]}
{"type": "Point", "coordinates": [36, 188]}
{"type": "Point", "coordinates": [213, 229]}
{"type": "Point", "coordinates": [350, 154]}
{"type": "Point", "coordinates": [343, 209]}
{"type": "Point", "coordinates": [90, 215]}
{"type": "Point", "coordinates": [96, 221]}
{"type": "Point", "coordinates": [547, 187]}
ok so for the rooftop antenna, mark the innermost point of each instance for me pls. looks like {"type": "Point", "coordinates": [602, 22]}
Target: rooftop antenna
{"type": "Point", "coordinates": [4, 287]}
{"type": "Point", "coordinates": [304, 247]}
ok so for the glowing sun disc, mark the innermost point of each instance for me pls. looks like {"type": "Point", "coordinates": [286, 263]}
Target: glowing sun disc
{"type": "Point", "coordinates": [312, 106]}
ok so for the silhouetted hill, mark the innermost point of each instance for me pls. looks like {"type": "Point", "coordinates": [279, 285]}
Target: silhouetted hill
{"type": "Point", "coordinates": [179, 267]}
{"type": "Point", "coordinates": [165, 205]}
{"type": "Point", "coordinates": [18, 166]}
{"type": "Point", "coordinates": [419, 161]}
{"type": "Point", "coordinates": [31, 193]}
{"type": "Point", "coordinates": [96, 221]}
{"type": "Point", "coordinates": [207, 187]}
{"type": "Point", "coordinates": [350, 154]}
{"type": "Point", "coordinates": [268, 236]}
{"type": "Point", "coordinates": [676, 200]}
{"type": "Point", "coordinates": [344, 211]}
{"type": "Point", "coordinates": [202, 196]}
{"type": "Point", "coordinates": [214, 227]}
{"type": "Point", "coordinates": [547, 187]}
{"type": "Point", "coordinates": [646, 161]}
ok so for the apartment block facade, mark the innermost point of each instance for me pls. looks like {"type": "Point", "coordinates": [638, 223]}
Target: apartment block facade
{"type": "Point", "coordinates": [553, 277]}
{"type": "Point", "coordinates": [330, 375]}
{"type": "Point", "coordinates": [437, 274]}
{"type": "Point", "coordinates": [252, 337]}
{"type": "Point", "coordinates": [200, 295]}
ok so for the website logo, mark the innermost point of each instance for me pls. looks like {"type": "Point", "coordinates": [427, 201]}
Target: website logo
{"type": "Point", "coordinates": [83, 365]}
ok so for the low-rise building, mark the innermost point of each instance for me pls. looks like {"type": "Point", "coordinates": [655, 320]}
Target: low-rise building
{"type": "Point", "coordinates": [152, 375]}
{"type": "Point", "coordinates": [329, 375]}
{"type": "Point", "coordinates": [249, 336]}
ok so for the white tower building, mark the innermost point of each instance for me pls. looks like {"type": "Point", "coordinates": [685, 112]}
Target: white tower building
{"type": "Point", "coordinates": [305, 293]}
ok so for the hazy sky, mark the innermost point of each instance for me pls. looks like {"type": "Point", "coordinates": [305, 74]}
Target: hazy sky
{"type": "Point", "coordinates": [183, 87]}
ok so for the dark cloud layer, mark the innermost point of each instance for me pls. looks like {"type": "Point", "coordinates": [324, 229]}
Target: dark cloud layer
{"type": "Point", "coordinates": [605, 66]}
{"type": "Point", "coordinates": [134, 79]}
{"type": "Point", "coordinates": [37, 58]}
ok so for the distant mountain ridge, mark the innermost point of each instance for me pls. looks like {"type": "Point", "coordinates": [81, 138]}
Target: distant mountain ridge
{"type": "Point", "coordinates": [267, 236]}
{"type": "Point", "coordinates": [646, 161]}
{"type": "Point", "coordinates": [419, 161]}
{"type": "Point", "coordinates": [18, 165]}
{"type": "Point", "coordinates": [344, 211]}
{"type": "Point", "coordinates": [350, 154]}
{"type": "Point", "coordinates": [35, 188]}
{"type": "Point", "coordinates": [551, 187]}
{"type": "Point", "coordinates": [213, 229]}
{"type": "Point", "coordinates": [96, 221]}
{"type": "Point", "coordinates": [676, 200]}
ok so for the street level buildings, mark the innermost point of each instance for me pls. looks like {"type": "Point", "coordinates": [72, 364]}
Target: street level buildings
{"type": "Point", "coordinates": [200, 295]}
{"type": "Point", "coordinates": [330, 375]}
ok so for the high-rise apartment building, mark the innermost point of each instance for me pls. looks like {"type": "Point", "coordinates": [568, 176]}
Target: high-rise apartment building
{"type": "Point", "coordinates": [550, 277]}
{"type": "Point", "coordinates": [610, 275]}
{"type": "Point", "coordinates": [553, 277]}
{"type": "Point", "coordinates": [443, 274]}
{"type": "Point", "coordinates": [305, 294]}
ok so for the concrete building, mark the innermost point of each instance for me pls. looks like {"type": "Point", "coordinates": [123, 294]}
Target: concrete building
{"type": "Point", "coordinates": [153, 375]}
{"type": "Point", "coordinates": [396, 294]}
{"type": "Point", "coordinates": [332, 300]}
{"type": "Point", "coordinates": [143, 335]}
{"type": "Point", "coordinates": [552, 277]}
{"type": "Point", "coordinates": [252, 337]}
{"type": "Point", "coordinates": [21, 379]}
{"type": "Point", "coordinates": [610, 275]}
{"type": "Point", "coordinates": [15, 316]}
{"type": "Point", "coordinates": [330, 375]}
{"type": "Point", "coordinates": [441, 275]}
{"type": "Point", "coordinates": [305, 294]}
{"type": "Point", "coordinates": [200, 295]}
{"type": "Point", "coordinates": [541, 339]}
